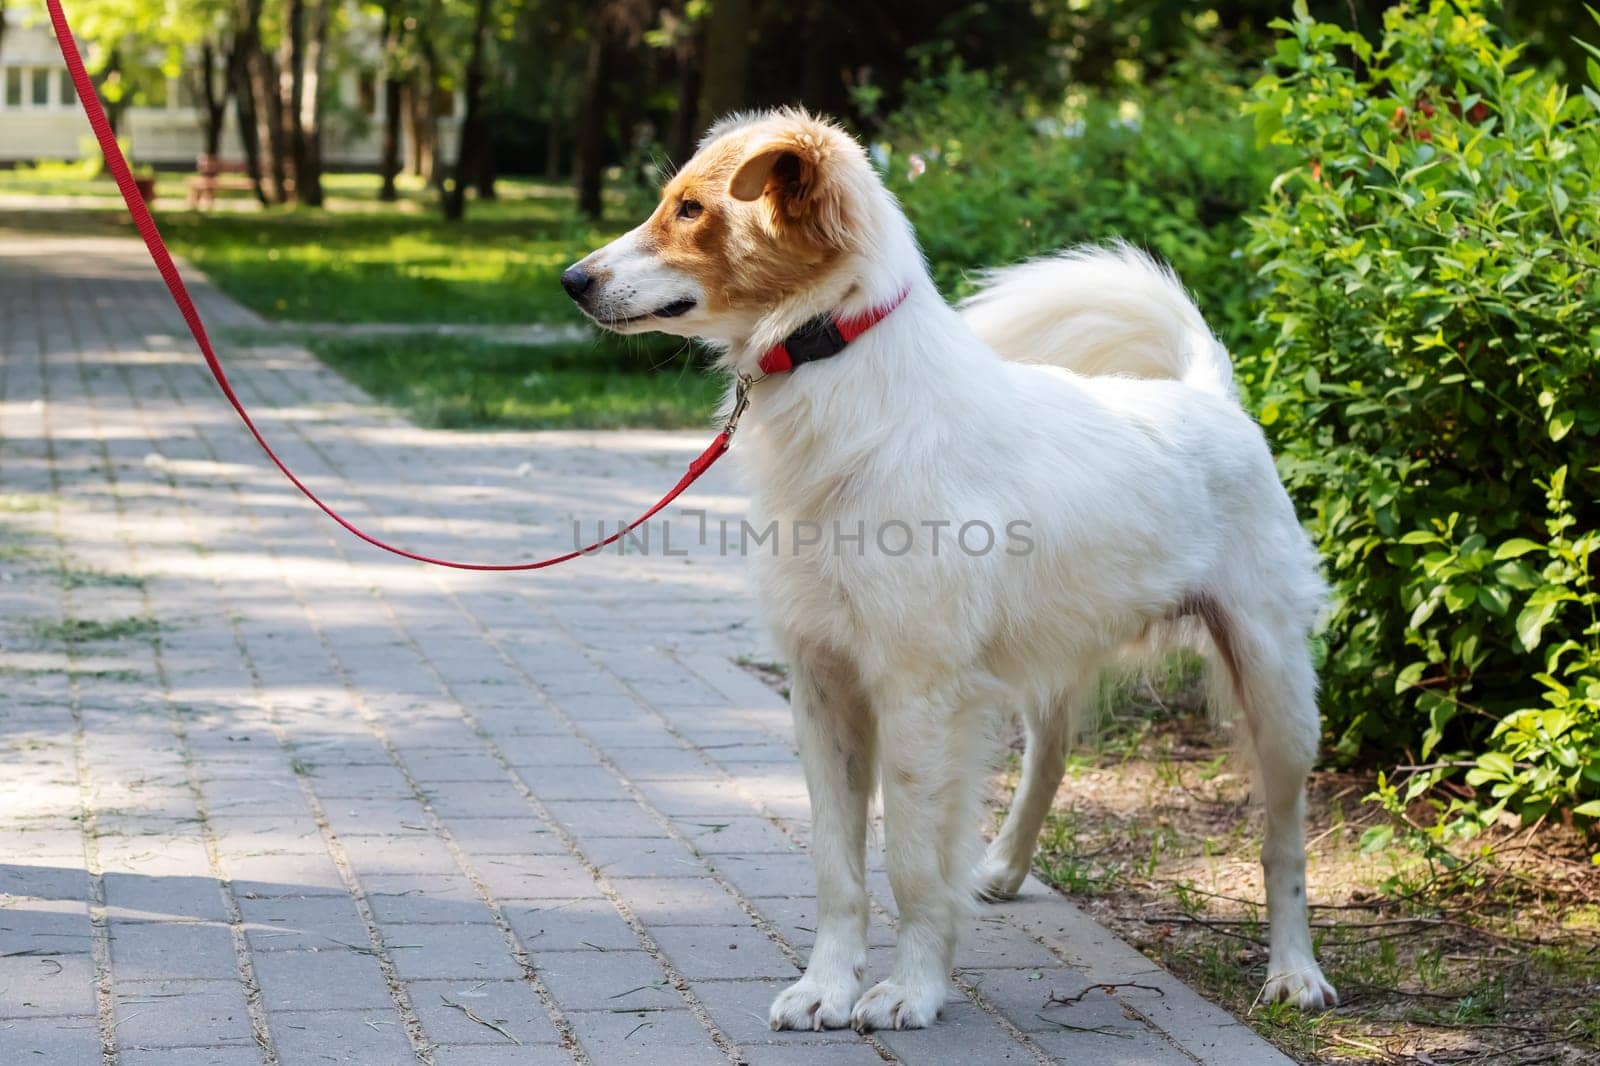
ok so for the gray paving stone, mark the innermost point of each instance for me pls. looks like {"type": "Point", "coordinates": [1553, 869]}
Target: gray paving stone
{"type": "Point", "coordinates": [771, 874]}
{"type": "Point", "coordinates": [181, 1013]}
{"type": "Point", "coordinates": [352, 1037]}
{"type": "Point", "coordinates": [570, 925]}
{"type": "Point", "coordinates": [644, 1036]}
{"type": "Point", "coordinates": [520, 835]}
{"type": "Point", "coordinates": [145, 951]}
{"type": "Point", "coordinates": [719, 952]}
{"type": "Point", "coordinates": [36, 926]}
{"type": "Point", "coordinates": [811, 1053]}
{"type": "Point", "coordinates": [662, 901]}
{"type": "Point", "coordinates": [229, 1055]}
{"type": "Point", "coordinates": [535, 876]}
{"type": "Point", "coordinates": [511, 1005]}
{"type": "Point", "coordinates": [655, 856]}
{"type": "Point", "coordinates": [475, 799]}
{"type": "Point", "coordinates": [46, 986]}
{"type": "Point", "coordinates": [606, 980]}
{"type": "Point", "coordinates": [359, 815]}
{"type": "Point", "coordinates": [501, 1055]}
{"type": "Point", "coordinates": [398, 899]}
{"type": "Point", "coordinates": [412, 853]}
{"type": "Point", "coordinates": [961, 1025]}
{"type": "Point", "coordinates": [302, 923]}
{"type": "Point", "coordinates": [320, 980]}
{"type": "Point", "coordinates": [742, 835]}
{"type": "Point", "coordinates": [63, 1040]}
{"type": "Point", "coordinates": [450, 951]}
{"type": "Point", "coordinates": [587, 820]}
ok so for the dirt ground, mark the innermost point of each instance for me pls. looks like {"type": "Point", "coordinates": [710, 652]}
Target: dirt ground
{"type": "Point", "coordinates": [1496, 960]}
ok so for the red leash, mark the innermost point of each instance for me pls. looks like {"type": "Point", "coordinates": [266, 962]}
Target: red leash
{"type": "Point", "coordinates": [180, 296]}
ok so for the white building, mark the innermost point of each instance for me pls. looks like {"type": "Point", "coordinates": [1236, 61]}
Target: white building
{"type": "Point", "coordinates": [40, 117]}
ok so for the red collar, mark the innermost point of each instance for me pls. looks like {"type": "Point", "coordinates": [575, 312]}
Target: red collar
{"type": "Point", "coordinates": [823, 336]}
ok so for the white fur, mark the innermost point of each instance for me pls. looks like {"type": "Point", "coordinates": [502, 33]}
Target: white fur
{"type": "Point", "coordinates": [1111, 428]}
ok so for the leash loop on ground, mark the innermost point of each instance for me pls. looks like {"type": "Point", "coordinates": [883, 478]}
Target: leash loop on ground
{"type": "Point", "coordinates": [92, 109]}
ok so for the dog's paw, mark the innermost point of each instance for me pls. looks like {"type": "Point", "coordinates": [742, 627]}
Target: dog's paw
{"type": "Point", "coordinates": [814, 1004]}
{"type": "Point", "coordinates": [891, 1005]}
{"type": "Point", "coordinates": [1303, 985]}
{"type": "Point", "coordinates": [996, 881]}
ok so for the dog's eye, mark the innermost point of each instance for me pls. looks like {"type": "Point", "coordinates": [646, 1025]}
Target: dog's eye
{"type": "Point", "coordinates": [690, 209]}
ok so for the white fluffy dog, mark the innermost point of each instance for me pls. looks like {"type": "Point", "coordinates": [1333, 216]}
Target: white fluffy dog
{"type": "Point", "coordinates": [1079, 403]}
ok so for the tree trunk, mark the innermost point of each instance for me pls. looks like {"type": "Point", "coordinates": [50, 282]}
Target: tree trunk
{"type": "Point", "coordinates": [469, 146]}
{"type": "Point", "coordinates": [246, 41]}
{"type": "Point", "coordinates": [592, 113]}
{"type": "Point", "coordinates": [685, 129]}
{"type": "Point", "coordinates": [555, 114]}
{"type": "Point", "coordinates": [424, 106]}
{"type": "Point", "coordinates": [389, 161]}
{"type": "Point", "coordinates": [308, 147]}
{"type": "Point", "coordinates": [484, 171]}
{"type": "Point", "coordinates": [213, 97]}
{"type": "Point", "coordinates": [113, 110]}
{"type": "Point", "coordinates": [259, 81]}
{"type": "Point", "coordinates": [292, 84]}
{"type": "Point", "coordinates": [724, 82]}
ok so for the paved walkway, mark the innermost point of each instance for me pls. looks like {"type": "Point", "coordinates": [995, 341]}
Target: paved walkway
{"type": "Point", "coordinates": [283, 799]}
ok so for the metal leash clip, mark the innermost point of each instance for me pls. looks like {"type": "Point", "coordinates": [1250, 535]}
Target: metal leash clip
{"type": "Point", "coordinates": [741, 400]}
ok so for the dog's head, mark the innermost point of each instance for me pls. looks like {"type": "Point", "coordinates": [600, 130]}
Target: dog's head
{"type": "Point", "coordinates": [772, 208]}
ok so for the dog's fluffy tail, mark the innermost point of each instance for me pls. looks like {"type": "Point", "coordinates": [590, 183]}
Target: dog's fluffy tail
{"type": "Point", "coordinates": [1100, 310]}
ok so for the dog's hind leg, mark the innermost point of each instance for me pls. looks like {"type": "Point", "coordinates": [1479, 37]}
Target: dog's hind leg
{"type": "Point", "coordinates": [833, 725]}
{"type": "Point", "coordinates": [1049, 731]}
{"type": "Point", "coordinates": [1273, 682]}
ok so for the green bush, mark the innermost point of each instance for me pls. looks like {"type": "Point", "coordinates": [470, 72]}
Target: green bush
{"type": "Point", "coordinates": [1429, 378]}
{"type": "Point", "coordinates": [990, 177]}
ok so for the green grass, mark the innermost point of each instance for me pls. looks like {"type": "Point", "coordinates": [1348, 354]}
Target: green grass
{"type": "Point", "coordinates": [363, 261]}
{"type": "Point", "coordinates": [360, 260]}
{"type": "Point", "coordinates": [456, 382]}
{"type": "Point", "coordinates": [501, 265]}
{"type": "Point", "coordinates": [91, 630]}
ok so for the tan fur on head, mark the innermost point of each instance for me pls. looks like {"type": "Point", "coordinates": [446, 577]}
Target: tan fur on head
{"type": "Point", "coordinates": [771, 209]}
{"type": "Point", "coordinates": [769, 223]}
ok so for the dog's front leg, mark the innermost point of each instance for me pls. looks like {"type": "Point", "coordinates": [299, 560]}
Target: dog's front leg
{"type": "Point", "coordinates": [833, 725]}
{"type": "Point", "coordinates": [927, 765]}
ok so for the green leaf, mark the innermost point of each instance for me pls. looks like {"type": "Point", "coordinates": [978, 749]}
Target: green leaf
{"type": "Point", "coordinates": [1516, 546]}
{"type": "Point", "coordinates": [1494, 599]}
{"type": "Point", "coordinates": [1588, 810]}
{"type": "Point", "coordinates": [1379, 836]}
{"type": "Point", "coordinates": [1531, 623]}
{"type": "Point", "coordinates": [1498, 764]}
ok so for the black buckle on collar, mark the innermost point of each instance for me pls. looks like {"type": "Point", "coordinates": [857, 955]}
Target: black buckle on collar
{"type": "Point", "coordinates": [817, 339]}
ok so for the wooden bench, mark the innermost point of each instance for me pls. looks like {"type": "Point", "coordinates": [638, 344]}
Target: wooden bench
{"type": "Point", "coordinates": [213, 174]}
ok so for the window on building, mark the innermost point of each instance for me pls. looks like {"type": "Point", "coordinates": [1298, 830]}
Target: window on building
{"type": "Point", "coordinates": [367, 92]}
{"type": "Point", "coordinates": [69, 92]}
{"type": "Point", "coordinates": [13, 86]}
{"type": "Point", "coordinates": [41, 87]}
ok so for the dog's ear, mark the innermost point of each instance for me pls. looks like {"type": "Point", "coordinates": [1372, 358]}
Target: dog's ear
{"type": "Point", "coordinates": [793, 174]}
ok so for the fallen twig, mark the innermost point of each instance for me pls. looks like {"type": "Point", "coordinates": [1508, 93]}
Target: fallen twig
{"type": "Point", "coordinates": [474, 1016]}
{"type": "Point", "coordinates": [1105, 986]}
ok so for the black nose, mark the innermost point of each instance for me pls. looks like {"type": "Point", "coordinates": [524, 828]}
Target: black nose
{"type": "Point", "coordinates": [576, 281]}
